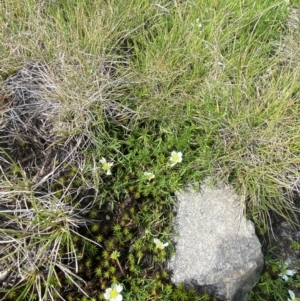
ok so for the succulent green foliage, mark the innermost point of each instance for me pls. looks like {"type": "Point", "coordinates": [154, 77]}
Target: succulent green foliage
{"type": "Point", "coordinates": [271, 285]}
{"type": "Point", "coordinates": [295, 245]}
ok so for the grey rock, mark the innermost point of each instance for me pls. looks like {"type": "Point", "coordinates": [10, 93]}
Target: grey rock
{"type": "Point", "coordinates": [217, 250]}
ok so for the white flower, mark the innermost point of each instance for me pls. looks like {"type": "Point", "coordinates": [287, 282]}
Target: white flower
{"type": "Point", "coordinates": [198, 23]}
{"type": "Point", "coordinates": [113, 293]}
{"type": "Point", "coordinates": [285, 273]}
{"type": "Point", "coordinates": [292, 295]}
{"type": "Point", "coordinates": [159, 244]}
{"type": "Point", "coordinates": [176, 157]}
{"type": "Point", "coordinates": [149, 175]}
{"type": "Point", "coordinates": [106, 166]}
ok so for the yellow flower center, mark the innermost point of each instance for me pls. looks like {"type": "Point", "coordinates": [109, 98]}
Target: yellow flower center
{"type": "Point", "coordinates": [176, 158]}
{"type": "Point", "coordinates": [160, 245]}
{"type": "Point", "coordinates": [106, 166]}
{"type": "Point", "coordinates": [113, 293]}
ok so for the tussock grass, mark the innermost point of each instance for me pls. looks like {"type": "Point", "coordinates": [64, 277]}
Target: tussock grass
{"type": "Point", "coordinates": [131, 81]}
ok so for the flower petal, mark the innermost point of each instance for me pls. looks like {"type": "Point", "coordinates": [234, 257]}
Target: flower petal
{"type": "Point", "coordinates": [119, 298]}
{"type": "Point", "coordinates": [149, 175]}
{"type": "Point", "coordinates": [103, 160]}
{"type": "Point", "coordinates": [119, 288]}
{"type": "Point", "coordinates": [290, 272]}
{"type": "Point", "coordinates": [107, 293]}
{"type": "Point", "coordinates": [292, 294]}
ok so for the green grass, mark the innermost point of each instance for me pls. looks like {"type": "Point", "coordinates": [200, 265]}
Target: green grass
{"type": "Point", "coordinates": [132, 81]}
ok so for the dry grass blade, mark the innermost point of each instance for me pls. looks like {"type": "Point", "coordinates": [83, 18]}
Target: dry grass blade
{"type": "Point", "coordinates": [40, 214]}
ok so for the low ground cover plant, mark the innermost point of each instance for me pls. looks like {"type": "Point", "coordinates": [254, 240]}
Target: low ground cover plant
{"type": "Point", "coordinates": [108, 107]}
